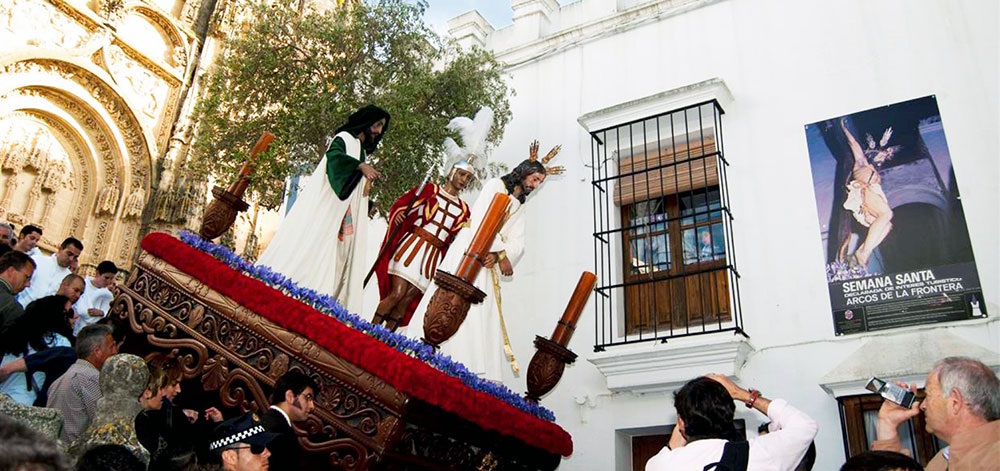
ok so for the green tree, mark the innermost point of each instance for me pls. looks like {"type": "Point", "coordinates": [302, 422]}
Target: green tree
{"type": "Point", "coordinates": [300, 74]}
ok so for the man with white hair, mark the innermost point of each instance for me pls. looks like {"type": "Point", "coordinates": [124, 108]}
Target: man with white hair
{"type": "Point", "coordinates": [77, 391]}
{"type": "Point", "coordinates": [961, 407]}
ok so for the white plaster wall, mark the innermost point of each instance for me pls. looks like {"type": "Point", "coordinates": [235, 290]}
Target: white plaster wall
{"type": "Point", "coordinates": [788, 63]}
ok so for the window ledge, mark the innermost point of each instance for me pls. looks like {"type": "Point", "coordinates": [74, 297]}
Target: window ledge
{"type": "Point", "coordinates": [655, 367]}
{"type": "Point", "coordinates": [904, 357]}
{"type": "Point", "coordinates": [707, 90]}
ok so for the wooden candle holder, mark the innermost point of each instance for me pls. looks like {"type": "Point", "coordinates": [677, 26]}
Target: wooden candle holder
{"type": "Point", "coordinates": [448, 307]}
{"type": "Point", "coordinates": [546, 367]}
{"type": "Point", "coordinates": [221, 213]}
{"type": "Point", "coordinates": [455, 293]}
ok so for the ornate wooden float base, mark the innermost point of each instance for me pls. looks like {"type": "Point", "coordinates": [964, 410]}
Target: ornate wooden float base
{"type": "Point", "coordinates": [232, 356]}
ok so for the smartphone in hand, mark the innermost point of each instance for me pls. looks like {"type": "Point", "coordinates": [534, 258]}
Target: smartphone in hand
{"type": "Point", "coordinates": [892, 392]}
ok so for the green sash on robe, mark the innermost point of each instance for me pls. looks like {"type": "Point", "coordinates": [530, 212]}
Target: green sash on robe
{"type": "Point", "coordinates": [342, 169]}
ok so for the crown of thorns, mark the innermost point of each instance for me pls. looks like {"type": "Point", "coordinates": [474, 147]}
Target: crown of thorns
{"type": "Point", "coordinates": [549, 170]}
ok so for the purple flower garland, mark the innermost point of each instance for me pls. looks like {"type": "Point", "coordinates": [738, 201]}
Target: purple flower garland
{"type": "Point", "coordinates": [840, 271]}
{"type": "Point", "coordinates": [330, 306]}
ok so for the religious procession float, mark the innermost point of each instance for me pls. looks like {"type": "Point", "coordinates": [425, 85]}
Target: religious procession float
{"type": "Point", "coordinates": [388, 402]}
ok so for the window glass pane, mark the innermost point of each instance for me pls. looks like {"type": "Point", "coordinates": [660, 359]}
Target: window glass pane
{"type": "Point", "coordinates": [649, 243]}
{"type": "Point", "coordinates": [648, 216]}
{"type": "Point", "coordinates": [704, 244]}
{"type": "Point", "coordinates": [700, 206]}
{"type": "Point", "coordinates": [650, 254]}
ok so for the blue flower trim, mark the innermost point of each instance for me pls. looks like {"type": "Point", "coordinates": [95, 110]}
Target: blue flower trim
{"type": "Point", "coordinates": [330, 306]}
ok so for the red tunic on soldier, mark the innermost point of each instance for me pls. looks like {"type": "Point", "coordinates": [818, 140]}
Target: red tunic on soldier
{"type": "Point", "coordinates": [423, 223]}
{"type": "Point", "coordinates": [422, 237]}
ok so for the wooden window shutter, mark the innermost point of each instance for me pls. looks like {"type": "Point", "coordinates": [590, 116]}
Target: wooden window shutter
{"type": "Point", "coordinates": [667, 171]}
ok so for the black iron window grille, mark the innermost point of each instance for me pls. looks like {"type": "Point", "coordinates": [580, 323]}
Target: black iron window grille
{"type": "Point", "coordinates": [663, 237]}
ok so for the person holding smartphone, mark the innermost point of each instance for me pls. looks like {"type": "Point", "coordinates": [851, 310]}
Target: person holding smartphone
{"type": "Point", "coordinates": [961, 407]}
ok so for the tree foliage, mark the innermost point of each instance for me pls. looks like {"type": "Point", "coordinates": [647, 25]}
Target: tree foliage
{"type": "Point", "coordinates": [300, 74]}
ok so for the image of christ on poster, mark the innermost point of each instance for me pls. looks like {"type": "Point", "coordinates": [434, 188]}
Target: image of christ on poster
{"type": "Point", "coordinates": [894, 235]}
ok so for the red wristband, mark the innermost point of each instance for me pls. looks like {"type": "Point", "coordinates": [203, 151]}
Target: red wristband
{"type": "Point", "coordinates": [754, 394]}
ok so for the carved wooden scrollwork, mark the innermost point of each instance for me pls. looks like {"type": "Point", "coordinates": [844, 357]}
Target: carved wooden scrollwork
{"type": "Point", "coordinates": [437, 448]}
{"type": "Point", "coordinates": [241, 390]}
{"type": "Point", "coordinates": [360, 422]}
{"type": "Point", "coordinates": [230, 356]}
{"type": "Point", "coordinates": [448, 307]}
{"type": "Point", "coordinates": [343, 453]}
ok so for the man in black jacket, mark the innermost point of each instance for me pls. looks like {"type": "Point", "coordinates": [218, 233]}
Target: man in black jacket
{"type": "Point", "coordinates": [292, 400]}
{"type": "Point", "coordinates": [16, 270]}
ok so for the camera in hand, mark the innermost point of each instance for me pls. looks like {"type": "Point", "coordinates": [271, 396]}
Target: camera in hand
{"type": "Point", "coordinates": [891, 391]}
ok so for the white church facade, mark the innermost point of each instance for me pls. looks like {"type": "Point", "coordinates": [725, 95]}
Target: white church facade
{"type": "Point", "coordinates": [694, 135]}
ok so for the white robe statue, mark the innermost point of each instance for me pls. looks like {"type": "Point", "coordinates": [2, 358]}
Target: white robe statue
{"type": "Point", "coordinates": [479, 343]}
{"type": "Point", "coordinates": [315, 244]}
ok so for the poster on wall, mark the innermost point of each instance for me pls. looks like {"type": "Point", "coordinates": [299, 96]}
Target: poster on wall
{"type": "Point", "coordinates": [890, 216]}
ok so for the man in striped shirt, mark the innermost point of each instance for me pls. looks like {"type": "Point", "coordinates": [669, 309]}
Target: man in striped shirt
{"type": "Point", "coordinates": [76, 392]}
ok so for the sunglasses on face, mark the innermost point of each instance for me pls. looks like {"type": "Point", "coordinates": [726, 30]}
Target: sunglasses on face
{"type": "Point", "coordinates": [255, 449]}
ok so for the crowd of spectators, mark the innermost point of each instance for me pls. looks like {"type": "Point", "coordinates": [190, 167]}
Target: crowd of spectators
{"type": "Point", "coordinates": [124, 418]}
{"type": "Point", "coordinates": [77, 403]}
{"type": "Point", "coordinates": [44, 305]}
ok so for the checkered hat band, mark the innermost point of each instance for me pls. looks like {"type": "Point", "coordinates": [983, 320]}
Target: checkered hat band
{"type": "Point", "coordinates": [236, 438]}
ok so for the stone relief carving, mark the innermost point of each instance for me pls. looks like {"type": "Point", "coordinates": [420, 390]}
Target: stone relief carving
{"type": "Point", "coordinates": [50, 201]}
{"type": "Point", "coordinates": [157, 39]}
{"type": "Point", "coordinates": [177, 57]}
{"type": "Point", "coordinates": [177, 46]}
{"type": "Point", "coordinates": [34, 193]}
{"type": "Point", "coordinates": [177, 145]}
{"type": "Point", "coordinates": [38, 23]}
{"type": "Point", "coordinates": [150, 82]}
{"type": "Point", "coordinates": [107, 199]}
{"type": "Point", "coordinates": [134, 203]}
{"type": "Point", "coordinates": [130, 128]}
{"type": "Point", "coordinates": [177, 204]}
{"type": "Point", "coordinates": [112, 10]}
{"type": "Point", "coordinates": [144, 87]}
{"type": "Point", "coordinates": [100, 239]}
{"type": "Point", "coordinates": [58, 175]}
{"type": "Point", "coordinates": [15, 157]}
{"type": "Point", "coordinates": [38, 156]}
{"type": "Point", "coordinates": [190, 11]}
{"type": "Point", "coordinates": [129, 241]}
{"type": "Point", "coordinates": [78, 184]}
{"type": "Point", "coordinates": [105, 155]}
{"type": "Point", "coordinates": [10, 187]}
